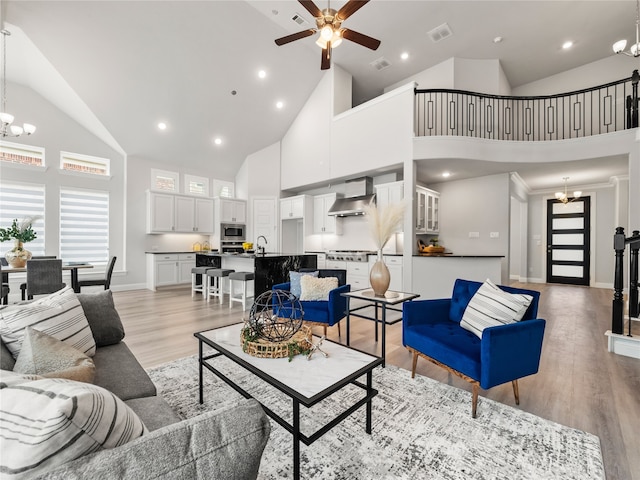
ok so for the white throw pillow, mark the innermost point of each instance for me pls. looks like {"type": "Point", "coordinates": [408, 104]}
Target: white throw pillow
{"type": "Point", "coordinates": [492, 306]}
{"type": "Point", "coordinates": [52, 421]}
{"type": "Point", "coordinates": [59, 315]}
{"type": "Point", "coordinates": [317, 288]}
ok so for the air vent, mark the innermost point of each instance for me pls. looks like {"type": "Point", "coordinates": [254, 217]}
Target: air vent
{"type": "Point", "coordinates": [298, 19]}
{"type": "Point", "coordinates": [380, 64]}
{"type": "Point", "coordinates": [440, 33]}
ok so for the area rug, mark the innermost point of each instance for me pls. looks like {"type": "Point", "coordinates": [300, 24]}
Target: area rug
{"type": "Point", "coordinates": [422, 429]}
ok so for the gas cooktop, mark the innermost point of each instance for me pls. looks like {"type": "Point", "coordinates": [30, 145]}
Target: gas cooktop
{"type": "Point", "coordinates": [349, 255]}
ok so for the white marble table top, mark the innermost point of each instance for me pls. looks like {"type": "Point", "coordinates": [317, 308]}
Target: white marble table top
{"type": "Point", "coordinates": [390, 297]}
{"type": "Point", "coordinates": [306, 377]}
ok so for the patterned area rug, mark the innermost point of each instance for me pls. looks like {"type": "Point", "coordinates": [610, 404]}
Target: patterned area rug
{"type": "Point", "coordinates": [422, 429]}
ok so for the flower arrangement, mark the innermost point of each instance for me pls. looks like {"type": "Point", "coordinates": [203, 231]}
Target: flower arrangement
{"type": "Point", "coordinates": [383, 221]}
{"type": "Point", "coordinates": [22, 232]}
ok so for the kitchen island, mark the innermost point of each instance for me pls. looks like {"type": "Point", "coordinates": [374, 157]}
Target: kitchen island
{"type": "Point", "coordinates": [270, 268]}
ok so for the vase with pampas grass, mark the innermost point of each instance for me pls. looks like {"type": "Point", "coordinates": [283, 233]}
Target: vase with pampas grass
{"type": "Point", "coordinates": [20, 233]}
{"type": "Point", "coordinates": [383, 223]}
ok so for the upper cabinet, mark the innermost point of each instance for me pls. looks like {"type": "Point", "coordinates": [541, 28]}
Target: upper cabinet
{"type": "Point", "coordinates": [168, 213]}
{"type": "Point", "coordinates": [231, 210]}
{"type": "Point", "coordinates": [389, 193]}
{"type": "Point", "coordinates": [427, 204]}
{"type": "Point", "coordinates": [292, 207]}
{"type": "Point", "coordinates": [322, 221]}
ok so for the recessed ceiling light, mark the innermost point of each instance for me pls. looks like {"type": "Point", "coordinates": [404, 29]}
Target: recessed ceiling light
{"type": "Point", "coordinates": [498, 39]}
{"type": "Point", "coordinates": [262, 74]}
{"type": "Point", "coordinates": [567, 45]}
{"type": "Point", "coordinates": [217, 141]}
{"type": "Point", "coordinates": [446, 174]}
{"type": "Point", "coordinates": [162, 126]}
{"type": "Point", "coordinates": [404, 55]}
{"type": "Point", "coordinates": [279, 104]}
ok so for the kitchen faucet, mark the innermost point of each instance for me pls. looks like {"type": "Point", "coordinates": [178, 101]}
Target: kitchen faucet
{"type": "Point", "coordinates": [261, 247]}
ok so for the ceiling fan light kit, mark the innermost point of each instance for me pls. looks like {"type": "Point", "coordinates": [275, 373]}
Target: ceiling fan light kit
{"type": "Point", "coordinates": [329, 24]}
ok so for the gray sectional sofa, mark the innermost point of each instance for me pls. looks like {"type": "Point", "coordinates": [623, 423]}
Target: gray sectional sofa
{"type": "Point", "coordinates": [223, 444]}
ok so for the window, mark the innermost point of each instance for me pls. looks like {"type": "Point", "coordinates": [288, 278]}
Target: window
{"type": "Point", "coordinates": [194, 185]}
{"type": "Point", "coordinates": [164, 180]}
{"type": "Point", "coordinates": [84, 226]}
{"type": "Point", "coordinates": [18, 154]}
{"type": "Point", "coordinates": [75, 162]}
{"type": "Point", "coordinates": [223, 189]}
{"type": "Point", "coordinates": [19, 201]}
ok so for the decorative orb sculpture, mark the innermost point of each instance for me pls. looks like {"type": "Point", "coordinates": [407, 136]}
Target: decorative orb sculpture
{"type": "Point", "coordinates": [276, 315]}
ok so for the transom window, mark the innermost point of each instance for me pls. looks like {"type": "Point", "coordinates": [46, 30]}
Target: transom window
{"type": "Point", "coordinates": [76, 162]}
{"type": "Point", "coordinates": [164, 180]}
{"type": "Point", "coordinates": [18, 154]}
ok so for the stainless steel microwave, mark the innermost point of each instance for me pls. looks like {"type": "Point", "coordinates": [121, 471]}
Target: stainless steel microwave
{"type": "Point", "coordinates": [232, 232]}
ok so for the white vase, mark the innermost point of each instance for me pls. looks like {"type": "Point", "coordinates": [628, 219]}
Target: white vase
{"type": "Point", "coordinates": [17, 257]}
{"type": "Point", "coordinates": [379, 277]}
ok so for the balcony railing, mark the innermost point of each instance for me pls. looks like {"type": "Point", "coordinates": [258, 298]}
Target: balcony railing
{"type": "Point", "coordinates": [593, 111]}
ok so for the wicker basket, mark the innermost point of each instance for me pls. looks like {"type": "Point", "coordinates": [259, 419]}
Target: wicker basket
{"type": "Point", "coordinates": [262, 348]}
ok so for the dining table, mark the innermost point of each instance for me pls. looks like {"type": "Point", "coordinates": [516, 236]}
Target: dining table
{"type": "Point", "coordinates": [72, 267]}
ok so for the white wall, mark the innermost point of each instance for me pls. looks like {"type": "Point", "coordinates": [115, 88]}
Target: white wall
{"type": "Point", "coordinates": [438, 76]}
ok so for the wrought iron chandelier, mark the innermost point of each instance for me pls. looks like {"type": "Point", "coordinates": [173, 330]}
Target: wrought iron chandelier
{"type": "Point", "coordinates": [634, 50]}
{"type": "Point", "coordinates": [6, 119]}
{"type": "Point", "coordinates": [564, 197]}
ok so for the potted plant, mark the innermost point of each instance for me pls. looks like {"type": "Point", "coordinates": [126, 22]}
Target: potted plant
{"type": "Point", "coordinates": [20, 234]}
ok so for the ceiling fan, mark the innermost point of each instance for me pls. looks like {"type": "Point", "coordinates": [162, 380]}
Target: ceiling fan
{"type": "Point", "coordinates": [329, 24]}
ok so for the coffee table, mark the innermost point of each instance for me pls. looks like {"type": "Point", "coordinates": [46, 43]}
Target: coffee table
{"type": "Point", "coordinates": [306, 382]}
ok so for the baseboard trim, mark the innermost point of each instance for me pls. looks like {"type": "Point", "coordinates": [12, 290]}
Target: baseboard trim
{"type": "Point", "coordinates": [131, 286]}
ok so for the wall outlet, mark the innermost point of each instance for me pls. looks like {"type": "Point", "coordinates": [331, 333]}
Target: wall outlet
{"type": "Point", "coordinates": [474, 234]}
{"type": "Point", "coordinates": [494, 235]}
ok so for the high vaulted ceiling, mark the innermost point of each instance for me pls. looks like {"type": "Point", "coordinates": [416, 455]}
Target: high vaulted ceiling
{"type": "Point", "coordinates": [135, 63]}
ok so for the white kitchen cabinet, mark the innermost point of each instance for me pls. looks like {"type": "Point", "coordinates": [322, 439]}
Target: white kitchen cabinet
{"type": "Point", "coordinates": [394, 264]}
{"type": "Point", "coordinates": [358, 275]}
{"type": "Point", "coordinates": [322, 221]}
{"type": "Point", "coordinates": [336, 265]}
{"type": "Point", "coordinates": [165, 269]}
{"type": "Point", "coordinates": [184, 209]}
{"type": "Point", "coordinates": [203, 215]}
{"type": "Point", "coordinates": [427, 204]}
{"type": "Point", "coordinates": [231, 210]}
{"type": "Point", "coordinates": [321, 260]}
{"type": "Point", "coordinates": [292, 207]}
{"type": "Point", "coordinates": [390, 193]}
{"type": "Point", "coordinates": [160, 212]}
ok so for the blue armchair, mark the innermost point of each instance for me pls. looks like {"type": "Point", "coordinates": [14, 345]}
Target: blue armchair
{"type": "Point", "coordinates": [431, 329]}
{"type": "Point", "coordinates": [328, 312]}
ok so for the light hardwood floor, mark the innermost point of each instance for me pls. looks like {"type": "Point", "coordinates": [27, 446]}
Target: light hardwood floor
{"type": "Point", "coordinates": [580, 384]}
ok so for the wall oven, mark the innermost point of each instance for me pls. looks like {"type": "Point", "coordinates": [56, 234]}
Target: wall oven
{"type": "Point", "coordinates": [232, 232]}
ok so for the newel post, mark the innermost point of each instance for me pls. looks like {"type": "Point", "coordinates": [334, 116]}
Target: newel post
{"type": "Point", "coordinates": [635, 77]}
{"type": "Point", "coordinates": [634, 307]}
{"type": "Point", "coordinates": [617, 320]}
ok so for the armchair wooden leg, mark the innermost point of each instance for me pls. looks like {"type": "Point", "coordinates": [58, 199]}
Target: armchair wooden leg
{"type": "Point", "coordinates": [325, 330]}
{"type": "Point", "coordinates": [474, 400]}
{"type": "Point", "coordinates": [339, 334]}
{"type": "Point", "coordinates": [413, 364]}
{"type": "Point", "coordinates": [516, 393]}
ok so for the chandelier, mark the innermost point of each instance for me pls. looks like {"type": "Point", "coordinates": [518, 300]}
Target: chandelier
{"type": "Point", "coordinates": [6, 119]}
{"type": "Point", "coordinates": [634, 50]}
{"type": "Point", "coordinates": [564, 197]}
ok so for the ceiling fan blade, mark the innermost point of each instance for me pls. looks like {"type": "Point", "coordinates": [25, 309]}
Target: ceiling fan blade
{"type": "Point", "coordinates": [295, 36]}
{"type": "Point", "coordinates": [351, 7]}
{"type": "Point", "coordinates": [311, 7]}
{"type": "Point", "coordinates": [361, 39]}
{"type": "Point", "coordinates": [326, 57]}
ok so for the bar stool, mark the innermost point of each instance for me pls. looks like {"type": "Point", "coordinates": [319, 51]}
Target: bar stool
{"type": "Point", "coordinates": [202, 286]}
{"type": "Point", "coordinates": [215, 276]}
{"type": "Point", "coordinates": [243, 277]}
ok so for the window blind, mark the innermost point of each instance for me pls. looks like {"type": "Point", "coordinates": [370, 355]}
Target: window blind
{"type": "Point", "coordinates": [18, 201]}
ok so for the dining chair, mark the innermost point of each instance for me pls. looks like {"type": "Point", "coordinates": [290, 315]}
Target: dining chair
{"type": "Point", "coordinates": [44, 276]}
{"type": "Point", "coordinates": [105, 282]}
{"type": "Point", "coordinates": [23, 286]}
{"type": "Point", "coordinates": [4, 290]}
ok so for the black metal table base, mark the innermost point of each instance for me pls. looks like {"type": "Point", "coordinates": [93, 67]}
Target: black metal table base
{"type": "Point", "coordinates": [293, 428]}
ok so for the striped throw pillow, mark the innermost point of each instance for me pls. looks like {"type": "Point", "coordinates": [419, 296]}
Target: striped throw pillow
{"type": "Point", "coordinates": [59, 315]}
{"type": "Point", "coordinates": [492, 306]}
{"type": "Point", "coordinates": [48, 422]}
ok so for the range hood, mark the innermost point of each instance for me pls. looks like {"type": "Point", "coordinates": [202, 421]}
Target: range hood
{"type": "Point", "coordinates": [358, 195]}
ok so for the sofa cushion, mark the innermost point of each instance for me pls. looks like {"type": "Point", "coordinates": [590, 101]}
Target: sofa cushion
{"type": "Point", "coordinates": [53, 421]}
{"type": "Point", "coordinates": [44, 355]}
{"type": "Point", "coordinates": [224, 444]}
{"type": "Point", "coordinates": [154, 412]}
{"type": "Point", "coordinates": [58, 314]}
{"type": "Point", "coordinates": [103, 317]}
{"type": "Point", "coordinates": [9, 378]}
{"type": "Point", "coordinates": [118, 370]}
{"type": "Point", "coordinates": [317, 288]}
{"type": "Point", "coordinates": [294, 279]}
{"type": "Point", "coordinates": [6, 358]}
{"type": "Point", "coordinates": [490, 306]}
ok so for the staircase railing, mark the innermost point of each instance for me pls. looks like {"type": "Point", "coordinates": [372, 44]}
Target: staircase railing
{"type": "Point", "coordinates": [592, 111]}
{"type": "Point", "coordinates": [619, 245]}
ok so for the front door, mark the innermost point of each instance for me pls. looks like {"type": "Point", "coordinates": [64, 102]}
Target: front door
{"type": "Point", "coordinates": [568, 241]}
